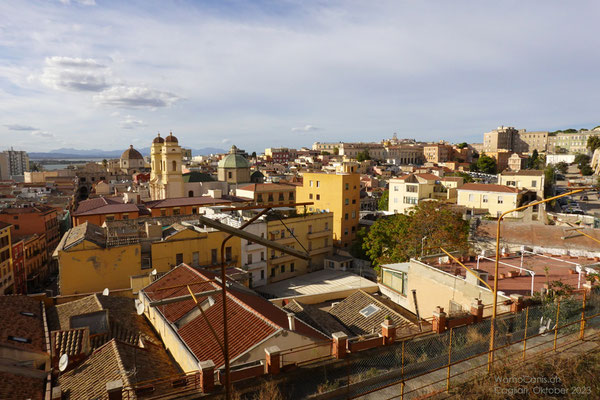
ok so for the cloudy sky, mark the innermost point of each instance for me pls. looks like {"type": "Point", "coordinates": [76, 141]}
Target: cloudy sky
{"type": "Point", "coordinates": [105, 74]}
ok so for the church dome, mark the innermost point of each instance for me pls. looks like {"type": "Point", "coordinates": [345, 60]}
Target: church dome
{"type": "Point", "coordinates": [171, 138]}
{"type": "Point", "coordinates": [131, 154]}
{"type": "Point", "coordinates": [158, 139]}
{"type": "Point", "coordinates": [234, 160]}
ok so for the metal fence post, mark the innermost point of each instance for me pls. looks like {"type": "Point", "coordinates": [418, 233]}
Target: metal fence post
{"type": "Point", "coordinates": [582, 328]}
{"type": "Point", "coordinates": [449, 361]}
{"type": "Point", "coordinates": [525, 338]}
{"type": "Point", "coordinates": [402, 370]}
{"type": "Point", "coordinates": [556, 326]}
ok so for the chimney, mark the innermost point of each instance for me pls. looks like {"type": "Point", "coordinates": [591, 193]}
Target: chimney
{"type": "Point", "coordinates": [291, 321]}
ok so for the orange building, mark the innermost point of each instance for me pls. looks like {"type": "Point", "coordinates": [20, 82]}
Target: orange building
{"type": "Point", "coordinates": [36, 258]}
{"type": "Point", "coordinates": [100, 209]}
{"type": "Point", "coordinates": [18, 262]}
{"type": "Point", "coordinates": [34, 219]}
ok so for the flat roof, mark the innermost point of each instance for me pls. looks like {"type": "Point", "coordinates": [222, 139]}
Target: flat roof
{"type": "Point", "coordinates": [323, 281]}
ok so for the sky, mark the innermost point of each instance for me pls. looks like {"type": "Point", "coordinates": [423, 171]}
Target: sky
{"type": "Point", "coordinates": [105, 74]}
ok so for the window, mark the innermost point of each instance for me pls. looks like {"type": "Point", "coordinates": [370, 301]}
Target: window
{"type": "Point", "coordinates": [347, 186]}
{"type": "Point", "coordinates": [176, 211]}
{"type": "Point", "coordinates": [310, 196]}
{"type": "Point", "coordinates": [213, 256]}
{"type": "Point", "coordinates": [291, 196]}
{"type": "Point", "coordinates": [346, 216]}
{"type": "Point", "coordinates": [318, 184]}
{"type": "Point", "coordinates": [282, 268]}
{"type": "Point", "coordinates": [17, 226]}
{"type": "Point", "coordinates": [249, 258]}
{"type": "Point", "coordinates": [326, 242]}
{"type": "Point", "coordinates": [353, 201]}
{"type": "Point", "coordinates": [174, 165]}
{"type": "Point", "coordinates": [178, 258]}
{"type": "Point", "coordinates": [190, 193]}
{"type": "Point", "coordinates": [280, 196]}
{"type": "Point", "coordinates": [326, 226]}
{"type": "Point", "coordinates": [353, 214]}
{"type": "Point", "coordinates": [163, 212]}
{"type": "Point", "coordinates": [229, 175]}
{"type": "Point", "coordinates": [318, 197]}
{"type": "Point", "coordinates": [533, 183]}
{"type": "Point", "coordinates": [395, 280]}
{"type": "Point", "coordinates": [346, 232]}
{"type": "Point", "coordinates": [500, 200]}
{"type": "Point", "coordinates": [259, 198]}
{"type": "Point", "coordinates": [310, 229]}
{"type": "Point", "coordinates": [262, 274]}
{"type": "Point", "coordinates": [412, 188]}
{"type": "Point", "coordinates": [272, 272]}
{"type": "Point", "coordinates": [347, 201]}
{"type": "Point", "coordinates": [310, 183]}
{"type": "Point", "coordinates": [292, 267]}
{"type": "Point", "coordinates": [485, 198]}
{"type": "Point", "coordinates": [194, 210]}
{"type": "Point", "coordinates": [369, 310]}
{"type": "Point", "coordinates": [410, 200]}
{"type": "Point", "coordinates": [471, 197]}
{"type": "Point", "coordinates": [262, 256]}
{"type": "Point", "coordinates": [396, 188]}
{"type": "Point", "coordinates": [282, 234]}
{"type": "Point", "coordinates": [270, 197]}
{"type": "Point", "coordinates": [228, 257]}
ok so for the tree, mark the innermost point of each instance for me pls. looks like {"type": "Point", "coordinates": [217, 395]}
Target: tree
{"type": "Point", "coordinates": [382, 203]}
{"type": "Point", "coordinates": [466, 177]}
{"type": "Point", "coordinates": [462, 145]}
{"type": "Point", "coordinates": [486, 164]}
{"type": "Point", "coordinates": [253, 154]}
{"type": "Point", "coordinates": [549, 179]}
{"type": "Point", "coordinates": [562, 167]}
{"type": "Point", "coordinates": [105, 163]}
{"type": "Point", "coordinates": [363, 156]}
{"type": "Point", "coordinates": [336, 151]}
{"type": "Point", "coordinates": [586, 170]}
{"type": "Point", "coordinates": [473, 167]}
{"type": "Point", "coordinates": [532, 162]}
{"type": "Point", "coordinates": [582, 159]}
{"type": "Point", "coordinates": [399, 237]}
{"type": "Point", "coordinates": [325, 153]}
{"type": "Point", "coordinates": [356, 248]}
{"type": "Point", "coordinates": [593, 142]}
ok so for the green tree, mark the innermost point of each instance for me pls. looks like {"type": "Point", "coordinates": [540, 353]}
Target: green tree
{"type": "Point", "coordinates": [562, 167]}
{"type": "Point", "coordinates": [532, 162]}
{"type": "Point", "coordinates": [462, 145]}
{"type": "Point", "coordinates": [473, 167]}
{"type": "Point", "coordinates": [363, 156]}
{"type": "Point", "coordinates": [325, 153]}
{"type": "Point", "coordinates": [336, 151]}
{"type": "Point", "coordinates": [586, 170]}
{"type": "Point", "coordinates": [105, 163]}
{"type": "Point", "coordinates": [466, 177]}
{"type": "Point", "coordinates": [549, 179]}
{"type": "Point", "coordinates": [486, 164]}
{"type": "Point", "coordinates": [399, 237]}
{"type": "Point", "coordinates": [593, 142]}
{"type": "Point", "coordinates": [582, 159]}
{"type": "Point", "coordinates": [382, 203]}
{"type": "Point", "coordinates": [253, 154]}
{"type": "Point", "coordinates": [356, 248]}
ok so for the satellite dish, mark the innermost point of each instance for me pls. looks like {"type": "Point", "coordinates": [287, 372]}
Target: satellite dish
{"type": "Point", "coordinates": [140, 308]}
{"type": "Point", "coordinates": [63, 362]}
{"type": "Point", "coordinates": [105, 292]}
{"type": "Point", "coordinates": [154, 272]}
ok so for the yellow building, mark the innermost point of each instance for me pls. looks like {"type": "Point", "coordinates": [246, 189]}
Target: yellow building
{"type": "Point", "coordinates": [525, 179]}
{"type": "Point", "coordinates": [409, 190]}
{"type": "Point", "coordinates": [166, 178]}
{"type": "Point", "coordinates": [89, 261]}
{"type": "Point", "coordinates": [338, 193]}
{"type": "Point", "coordinates": [6, 268]}
{"type": "Point", "coordinates": [194, 246]}
{"type": "Point", "coordinates": [497, 199]}
{"type": "Point", "coordinates": [313, 231]}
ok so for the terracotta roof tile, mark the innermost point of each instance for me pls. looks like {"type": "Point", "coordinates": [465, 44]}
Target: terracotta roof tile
{"type": "Point", "coordinates": [21, 317]}
{"type": "Point", "coordinates": [189, 201]}
{"type": "Point", "coordinates": [482, 187]}
{"type": "Point", "coordinates": [251, 319]}
{"type": "Point", "coordinates": [104, 205]}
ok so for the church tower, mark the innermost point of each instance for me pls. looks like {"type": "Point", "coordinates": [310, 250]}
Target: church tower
{"type": "Point", "coordinates": [166, 178]}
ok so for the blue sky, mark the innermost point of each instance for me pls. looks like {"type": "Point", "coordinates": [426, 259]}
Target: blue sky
{"type": "Point", "coordinates": [106, 74]}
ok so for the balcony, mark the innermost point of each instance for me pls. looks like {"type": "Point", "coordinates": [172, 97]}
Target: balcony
{"type": "Point", "coordinates": [257, 265]}
{"type": "Point", "coordinates": [322, 250]}
{"type": "Point", "coordinates": [254, 247]}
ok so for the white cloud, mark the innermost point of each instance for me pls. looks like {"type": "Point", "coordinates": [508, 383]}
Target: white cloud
{"type": "Point", "coordinates": [17, 127]}
{"type": "Point", "coordinates": [305, 128]}
{"type": "Point", "coordinates": [131, 123]}
{"type": "Point", "coordinates": [135, 97]}
{"type": "Point", "coordinates": [225, 141]}
{"type": "Point", "coordinates": [75, 74]}
{"type": "Point", "coordinates": [42, 134]}
{"type": "Point", "coordinates": [82, 2]}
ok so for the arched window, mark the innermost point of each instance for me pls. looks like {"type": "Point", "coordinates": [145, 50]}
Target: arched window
{"type": "Point", "coordinates": [174, 165]}
{"type": "Point", "coordinates": [191, 193]}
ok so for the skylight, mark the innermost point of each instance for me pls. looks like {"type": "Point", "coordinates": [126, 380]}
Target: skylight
{"type": "Point", "coordinates": [369, 310]}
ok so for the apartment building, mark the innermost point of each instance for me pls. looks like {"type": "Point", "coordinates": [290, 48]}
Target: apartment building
{"type": "Point", "coordinates": [6, 265]}
{"type": "Point", "coordinates": [281, 155]}
{"type": "Point", "coordinates": [272, 194]}
{"type": "Point", "coordinates": [92, 258]}
{"type": "Point", "coordinates": [409, 190]}
{"type": "Point", "coordinates": [36, 260]}
{"type": "Point", "coordinates": [13, 164]}
{"type": "Point", "coordinates": [18, 262]}
{"type": "Point", "coordinates": [338, 193]}
{"type": "Point", "coordinates": [311, 232]}
{"type": "Point", "coordinates": [570, 143]}
{"type": "Point", "coordinates": [437, 153]}
{"type": "Point", "coordinates": [497, 199]}
{"type": "Point", "coordinates": [510, 139]}
{"type": "Point", "coordinates": [533, 180]}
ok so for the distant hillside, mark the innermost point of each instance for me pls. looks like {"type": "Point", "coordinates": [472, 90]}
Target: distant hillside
{"type": "Point", "coordinates": [65, 153]}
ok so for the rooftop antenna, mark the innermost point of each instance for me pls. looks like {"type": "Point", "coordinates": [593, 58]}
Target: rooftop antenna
{"type": "Point", "coordinates": [63, 362]}
{"type": "Point", "coordinates": [105, 292]}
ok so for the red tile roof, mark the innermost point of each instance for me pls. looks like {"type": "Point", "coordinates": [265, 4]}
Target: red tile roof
{"type": "Point", "coordinates": [251, 319]}
{"type": "Point", "coordinates": [104, 205]}
{"type": "Point", "coordinates": [488, 188]}
{"type": "Point", "coordinates": [188, 201]}
{"type": "Point", "coordinates": [429, 177]}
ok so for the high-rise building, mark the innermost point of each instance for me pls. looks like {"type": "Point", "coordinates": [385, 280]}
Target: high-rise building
{"type": "Point", "coordinates": [13, 164]}
{"type": "Point", "coordinates": [338, 193]}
